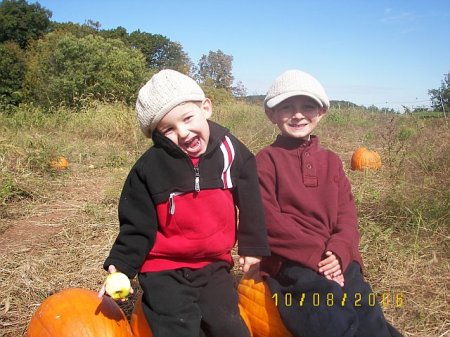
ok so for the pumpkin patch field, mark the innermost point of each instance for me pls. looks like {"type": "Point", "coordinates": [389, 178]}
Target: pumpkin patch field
{"type": "Point", "coordinates": [61, 174]}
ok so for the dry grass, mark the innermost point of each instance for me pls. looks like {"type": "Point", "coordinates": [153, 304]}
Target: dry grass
{"type": "Point", "coordinates": [56, 228]}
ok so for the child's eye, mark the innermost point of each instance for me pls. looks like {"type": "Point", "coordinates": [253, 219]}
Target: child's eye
{"type": "Point", "coordinates": [167, 131]}
{"type": "Point", "coordinates": [188, 118]}
{"type": "Point", "coordinates": [309, 108]}
{"type": "Point", "coordinates": [285, 108]}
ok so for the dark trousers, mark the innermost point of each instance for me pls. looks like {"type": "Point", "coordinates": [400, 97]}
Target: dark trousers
{"type": "Point", "coordinates": [312, 306]}
{"type": "Point", "coordinates": [192, 302]}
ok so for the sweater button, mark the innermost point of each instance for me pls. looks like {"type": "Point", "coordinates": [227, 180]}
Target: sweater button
{"type": "Point", "coordinates": [309, 166]}
{"type": "Point", "coordinates": [306, 154]}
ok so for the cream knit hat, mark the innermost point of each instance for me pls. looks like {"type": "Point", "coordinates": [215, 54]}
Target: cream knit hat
{"type": "Point", "coordinates": [295, 83]}
{"type": "Point", "coordinates": [163, 92]}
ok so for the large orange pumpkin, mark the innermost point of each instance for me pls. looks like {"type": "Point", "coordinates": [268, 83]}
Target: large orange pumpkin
{"type": "Point", "coordinates": [140, 327]}
{"type": "Point", "coordinates": [76, 312]}
{"type": "Point", "coordinates": [245, 319]}
{"type": "Point", "coordinates": [363, 159]}
{"type": "Point", "coordinates": [256, 300]}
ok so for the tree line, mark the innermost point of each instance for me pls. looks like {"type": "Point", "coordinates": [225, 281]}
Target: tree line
{"type": "Point", "coordinates": [440, 98]}
{"type": "Point", "coordinates": [51, 64]}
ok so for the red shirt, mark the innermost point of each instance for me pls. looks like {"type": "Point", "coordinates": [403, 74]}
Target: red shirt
{"type": "Point", "coordinates": [194, 229]}
{"type": "Point", "coordinates": [308, 204]}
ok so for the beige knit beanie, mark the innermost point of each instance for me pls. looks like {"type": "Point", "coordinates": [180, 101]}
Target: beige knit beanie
{"type": "Point", "coordinates": [163, 92]}
{"type": "Point", "coordinates": [295, 83]}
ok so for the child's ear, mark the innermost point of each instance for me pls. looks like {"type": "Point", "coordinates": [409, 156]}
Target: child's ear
{"type": "Point", "coordinates": [271, 115]}
{"type": "Point", "coordinates": [207, 107]}
{"type": "Point", "coordinates": [322, 112]}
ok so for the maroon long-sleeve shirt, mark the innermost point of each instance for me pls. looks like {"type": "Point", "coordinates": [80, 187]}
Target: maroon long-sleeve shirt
{"type": "Point", "coordinates": [309, 206]}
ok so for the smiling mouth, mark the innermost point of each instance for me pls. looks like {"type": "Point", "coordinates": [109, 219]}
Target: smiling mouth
{"type": "Point", "coordinates": [192, 144]}
{"type": "Point", "coordinates": [298, 126]}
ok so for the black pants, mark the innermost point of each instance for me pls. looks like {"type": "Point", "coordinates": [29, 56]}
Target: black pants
{"type": "Point", "coordinates": [312, 306]}
{"type": "Point", "coordinates": [192, 302]}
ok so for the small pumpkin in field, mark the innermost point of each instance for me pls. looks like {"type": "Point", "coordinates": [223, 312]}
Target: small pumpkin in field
{"type": "Point", "coordinates": [363, 159]}
{"type": "Point", "coordinates": [60, 163]}
{"type": "Point", "coordinates": [262, 314]}
{"type": "Point", "coordinates": [140, 327]}
{"type": "Point", "coordinates": [76, 312]}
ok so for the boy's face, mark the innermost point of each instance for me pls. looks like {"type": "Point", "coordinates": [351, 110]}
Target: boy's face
{"type": "Point", "coordinates": [186, 125]}
{"type": "Point", "coordinates": [296, 116]}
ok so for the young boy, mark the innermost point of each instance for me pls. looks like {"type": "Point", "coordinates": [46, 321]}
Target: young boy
{"type": "Point", "coordinates": [177, 214]}
{"type": "Point", "coordinates": [315, 266]}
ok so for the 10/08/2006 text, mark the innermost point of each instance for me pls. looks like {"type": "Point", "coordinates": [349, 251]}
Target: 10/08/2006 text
{"type": "Point", "coordinates": [385, 299]}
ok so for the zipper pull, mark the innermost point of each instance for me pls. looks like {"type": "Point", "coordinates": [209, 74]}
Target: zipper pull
{"type": "Point", "coordinates": [197, 179]}
{"type": "Point", "coordinates": [171, 204]}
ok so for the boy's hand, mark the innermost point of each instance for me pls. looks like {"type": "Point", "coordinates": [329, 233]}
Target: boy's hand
{"type": "Point", "coordinates": [102, 291]}
{"type": "Point", "coordinates": [339, 279]}
{"type": "Point", "coordinates": [246, 262]}
{"type": "Point", "coordinates": [330, 267]}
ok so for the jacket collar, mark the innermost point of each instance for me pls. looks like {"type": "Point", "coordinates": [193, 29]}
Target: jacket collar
{"type": "Point", "coordinates": [291, 143]}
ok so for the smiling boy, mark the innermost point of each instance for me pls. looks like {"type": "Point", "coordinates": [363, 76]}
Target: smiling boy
{"type": "Point", "coordinates": [312, 221]}
{"type": "Point", "coordinates": [177, 214]}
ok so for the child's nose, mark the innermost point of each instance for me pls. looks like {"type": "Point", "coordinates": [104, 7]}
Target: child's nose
{"type": "Point", "coordinates": [183, 132]}
{"type": "Point", "coordinates": [297, 113]}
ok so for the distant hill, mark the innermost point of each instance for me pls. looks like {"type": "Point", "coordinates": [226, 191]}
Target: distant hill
{"type": "Point", "coordinates": [343, 104]}
{"type": "Point", "coordinates": [255, 99]}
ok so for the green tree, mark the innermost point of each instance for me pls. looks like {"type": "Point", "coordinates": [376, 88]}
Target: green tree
{"type": "Point", "coordinates": [73, 28]}
{"type": "Point", "coordinates": [21, 22]}
{"type": "Point", "coordinates": [63, 69]}
{"type": "Point", "coordinates": [239, 91]}
{"type": "Point", "coordinates": [160, 52]}
{"type": "Point", "coordinates": [441, 97]}
{"type": "Point", "coordinates": [12, 73]}
{"type": "Point", "coordinates": [216, 68]}
{"type": "Point", "coordinates": [217, 95]}
{"type": "Point", "coordinates": [116, 33]}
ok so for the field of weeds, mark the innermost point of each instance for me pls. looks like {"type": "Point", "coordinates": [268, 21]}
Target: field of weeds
{"type": "Point", "coordinates": [56, 227]}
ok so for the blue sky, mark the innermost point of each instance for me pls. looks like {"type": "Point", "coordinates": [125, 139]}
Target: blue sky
{"type": "Point", "coordinates": [386, 53]}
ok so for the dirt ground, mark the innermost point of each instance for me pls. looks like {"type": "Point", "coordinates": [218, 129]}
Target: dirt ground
{"type": "Point", "coordinates": [35, 258]}
{"type": "Point", "coordinates": [42, 220]}
{"type": "Point", "coordinates": [37, 224]}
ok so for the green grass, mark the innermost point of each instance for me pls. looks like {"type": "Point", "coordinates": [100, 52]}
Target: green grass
{"type": "Point", "coordinates": [403, 207]}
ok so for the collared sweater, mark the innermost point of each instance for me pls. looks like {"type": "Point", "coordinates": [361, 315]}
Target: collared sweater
{"type": "Point", "coordinates": [309, 206]}
{"type": "Point", "coordinates": [173, 214]}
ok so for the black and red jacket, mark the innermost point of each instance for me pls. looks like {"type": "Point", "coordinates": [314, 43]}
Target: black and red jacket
{"type": "Point", "coordinates": [173, 214]}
